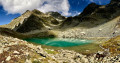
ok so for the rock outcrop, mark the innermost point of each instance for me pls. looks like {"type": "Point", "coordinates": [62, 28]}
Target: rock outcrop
{"type": "Point", "coordinates": [57, 16]}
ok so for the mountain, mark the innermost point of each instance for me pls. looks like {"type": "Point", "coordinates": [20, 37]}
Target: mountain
{"type": "Point", "coordinates": [100, 21]}
{"type": "Point", "coordinates": [57, 16]}
{"type": "Point", "coordinates": [32, 20]}
{"type": "Point", "coordinates": [95, 21]}
{"type": "Point", "coordinates": [94, 15]}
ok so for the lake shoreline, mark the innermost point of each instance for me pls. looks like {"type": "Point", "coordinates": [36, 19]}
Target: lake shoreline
{"type": "Point", "coordinates": [28, 52]}
{"type": "Point", "coordinates": [87, 49]}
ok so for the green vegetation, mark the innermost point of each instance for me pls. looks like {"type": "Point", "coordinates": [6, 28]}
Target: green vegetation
{"type": "Point", "coordinates": [36, 62]}
{"type": "Point", "coordinates": [113, 45]}
{"type": "Point", "coordinates": [50, 52]}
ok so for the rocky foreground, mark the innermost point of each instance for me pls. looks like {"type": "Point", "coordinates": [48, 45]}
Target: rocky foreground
{"type": "Point", "coordinates": [13, 50]}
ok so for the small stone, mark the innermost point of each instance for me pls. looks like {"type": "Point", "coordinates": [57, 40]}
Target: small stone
{"type": "Point", "coordinates": [52, 50]}
{"type": "Point", "coordinates": [28, 61]}
{"type": "Point", "coordinates": [87, 50]}
{"type": "Point", "coordinates": [1, 51]}
{"type": "Point", "coordinates": [16, 52]}
{"type": "Point", "coordinates": [26, 53]}
{"type": "Point", "coordinates": [2, 62]}
{"type": "Point", "coordinates": [100, 52]}
{"type": "Point", "coordinates": [92, 59]}
{"type": "Point", "coordinates": [84, 60]}
{"type": "Point", "coordinates": [8, 58]}
{"type": "Point", "coordinates": [6, 49]}
{"type": "Point", "coordinates": [35, 59]}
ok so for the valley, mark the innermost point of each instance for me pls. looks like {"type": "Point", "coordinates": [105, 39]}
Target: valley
{"type": "Point", "coordinates": [90, 37]}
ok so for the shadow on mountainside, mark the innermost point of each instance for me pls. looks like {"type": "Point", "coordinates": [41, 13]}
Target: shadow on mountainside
{"type": "Point", "coordinates": [94, 15]}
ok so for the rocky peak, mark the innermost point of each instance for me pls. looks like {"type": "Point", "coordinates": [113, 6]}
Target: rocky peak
{"type": "Point", "coordinates": [53, 13]}
{"type": "Point", "coordinates": [28, 11]}
{"type": "Point", "coordinates": [89, 9]}
{"type": "Point", "coordinates": [33, 20]}
{"type": "Point", "coordinates": [36, 11]}
{"type": "Point", "coordinates": [26, 14]}
{"type": "Point", "coordinates": [56, 15]}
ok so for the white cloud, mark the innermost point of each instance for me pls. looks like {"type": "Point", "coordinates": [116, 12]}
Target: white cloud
{"type": "Point", "coordinates": [0, 3]}
{"type": "Point", "coordinates": [75, 13]}
{"type": "Point", "coordinates": [20, 6]}
{"type": "Point", "coordinates": [97, 1]}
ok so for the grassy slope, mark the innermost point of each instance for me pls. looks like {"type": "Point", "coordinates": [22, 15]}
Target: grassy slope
{"type": "Point", "coordinates": [8, 32]}
{"type": "Point", "coordinates": [113, 45]}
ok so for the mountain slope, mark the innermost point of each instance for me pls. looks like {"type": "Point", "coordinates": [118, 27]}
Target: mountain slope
{"type": "Point", "coordinates": [32, 20]}
{"type": "Point", "coordinates": [32, 34]}
{"type": "Point", "coordinates": [94, 15]}
{"type": "Point", "coordinates": [56, 15]}
{"type": "Point", "coordinates": [94, 21]}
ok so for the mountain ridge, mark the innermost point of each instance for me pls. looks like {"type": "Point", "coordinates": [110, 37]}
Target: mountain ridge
{"type": "Point", "coordinates": [94, 13]}
{"type": "Point", "coordinates": [38, 20]}
{"type": "Point", "coordinates": [92, 18]}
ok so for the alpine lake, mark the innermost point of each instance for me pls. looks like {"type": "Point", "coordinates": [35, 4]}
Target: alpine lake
{"type": "Point", "coordinates": [83, 46]}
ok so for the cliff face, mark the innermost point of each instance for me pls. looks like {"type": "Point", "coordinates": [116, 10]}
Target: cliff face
{"type": "Point", "coordinates": [89, 9]}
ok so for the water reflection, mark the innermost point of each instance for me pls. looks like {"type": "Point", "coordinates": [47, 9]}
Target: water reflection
{"type": "Point", "coordinates": [59, 42]}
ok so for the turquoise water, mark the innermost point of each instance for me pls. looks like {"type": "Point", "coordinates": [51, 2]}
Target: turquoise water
{"type": "Point", "coordinates": [59, 42]}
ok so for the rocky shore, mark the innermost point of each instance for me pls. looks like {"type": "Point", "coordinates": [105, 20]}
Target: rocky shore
{"type": "Point", "coordinates": [13, 50]}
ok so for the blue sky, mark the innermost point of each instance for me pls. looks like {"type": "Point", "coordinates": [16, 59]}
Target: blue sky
{"type": "Point", "coordinates": [10, 9]}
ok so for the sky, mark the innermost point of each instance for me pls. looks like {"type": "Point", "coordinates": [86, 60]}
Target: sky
{"type": "Point", "coordinates": [10, 9]}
